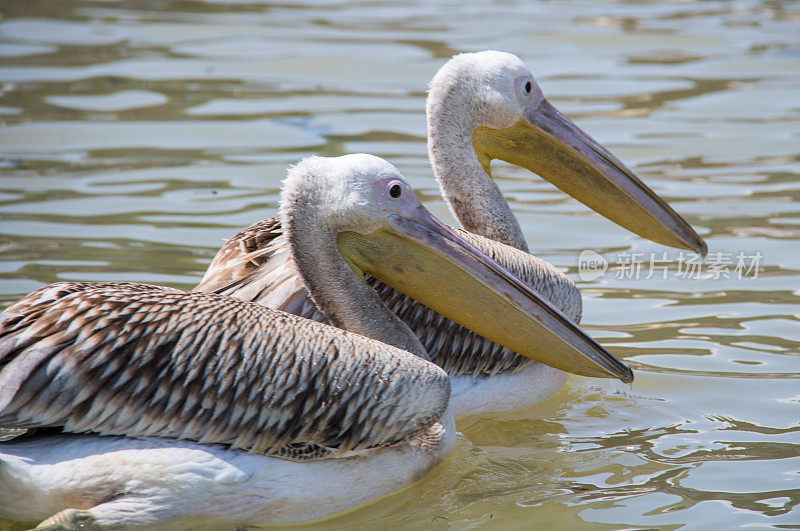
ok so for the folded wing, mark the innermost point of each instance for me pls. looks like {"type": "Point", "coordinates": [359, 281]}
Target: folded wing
{"type": "Point", "coordinates": [139, 360]}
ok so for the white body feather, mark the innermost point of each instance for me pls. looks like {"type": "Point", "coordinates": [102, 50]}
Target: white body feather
{"type": "Point", "coordinates": [508, 391]}
{"type": "Point", "coordinates": [167, 479]}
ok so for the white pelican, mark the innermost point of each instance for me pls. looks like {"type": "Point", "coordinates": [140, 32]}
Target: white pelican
{"type": "Point", "coordinates": [481, 106]}
{"type": "Point", "coordinates": [190, 405]}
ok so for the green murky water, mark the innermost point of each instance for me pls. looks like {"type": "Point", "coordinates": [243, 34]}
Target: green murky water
{"type": "Point", "coordinates": [135, 137]}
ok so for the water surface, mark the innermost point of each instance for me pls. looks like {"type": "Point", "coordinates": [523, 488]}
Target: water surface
{"type": "Point", "coordinates": [137, 136]}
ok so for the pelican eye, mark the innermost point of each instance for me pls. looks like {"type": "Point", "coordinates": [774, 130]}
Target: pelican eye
{"type": "Point", "coordinates": [528, 87]}
{"type": "Point", "coordinates": [395, 190]}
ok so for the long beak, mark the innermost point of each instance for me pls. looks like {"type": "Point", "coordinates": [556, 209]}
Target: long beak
{"type": "Point", "coordinates": [550, 145]}
{"type": "Point", "coordinates": [425, 259]}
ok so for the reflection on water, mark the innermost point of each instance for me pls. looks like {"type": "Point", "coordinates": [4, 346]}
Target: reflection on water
{"type": "Point", "coordinates": [135, 139]}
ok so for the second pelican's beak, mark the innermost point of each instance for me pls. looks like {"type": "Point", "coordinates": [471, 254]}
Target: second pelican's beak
{"type": "Point", "coordinates": [550, 145]}
{"type": "Point", "coordinates": [428, 261]}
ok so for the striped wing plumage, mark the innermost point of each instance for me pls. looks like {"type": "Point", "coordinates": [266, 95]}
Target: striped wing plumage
{"type": "Point", "coordinates": [140, 360]}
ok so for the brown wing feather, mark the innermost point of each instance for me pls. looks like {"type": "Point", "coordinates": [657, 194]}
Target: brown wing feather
{"type": "Point", "coordinates": [265, 274]}
{"type": "Point", "coordinates": [255, 266]}
{"type": "Point", "coordinates": [140, 360]}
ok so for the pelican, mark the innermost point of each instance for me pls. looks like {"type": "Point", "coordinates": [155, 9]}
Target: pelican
{"type": "Point", "coordinates": [181, 405]}
{"type": "Point", "coordinates": [481, 106]}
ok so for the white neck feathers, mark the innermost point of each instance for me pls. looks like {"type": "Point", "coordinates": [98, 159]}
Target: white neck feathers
{"type": "Point", "coordinates": [455, 103]}
{"type": "Point", "coordinates": [347, 301]}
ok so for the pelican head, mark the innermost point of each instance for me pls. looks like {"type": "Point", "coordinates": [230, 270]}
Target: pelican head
{"type": "Point", "coordinates": [376, 224]}
{"type": "Point", "coordinates": [490, 102]}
